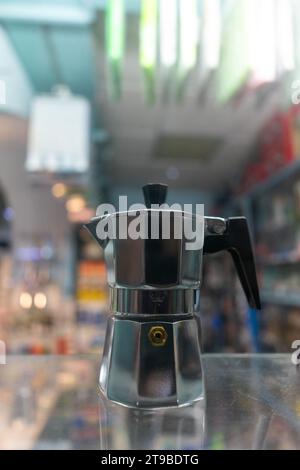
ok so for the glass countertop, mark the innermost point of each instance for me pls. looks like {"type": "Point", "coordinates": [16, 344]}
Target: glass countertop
{"type": "Point", "coordinates": [53, 402]}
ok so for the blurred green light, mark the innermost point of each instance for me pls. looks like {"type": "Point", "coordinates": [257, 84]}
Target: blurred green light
{"type": "Point", "coordinates": [237, 42]}
{"type": "Point", "coordinates": [115, 41]}
{"type": "Point", "coordinates": [148, 36]}
{"type": "Point", "coordinates": [189, 22]}
{"type": "Point", "coordinates": [148, 33]}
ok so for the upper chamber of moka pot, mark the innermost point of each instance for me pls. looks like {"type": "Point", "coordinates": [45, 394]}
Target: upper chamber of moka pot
{"type": "Point", "coordinates": [158, 248]}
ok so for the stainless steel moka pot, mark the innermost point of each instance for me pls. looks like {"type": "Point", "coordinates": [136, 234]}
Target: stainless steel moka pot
{"type": "Point", "coordinates": [152, 351]}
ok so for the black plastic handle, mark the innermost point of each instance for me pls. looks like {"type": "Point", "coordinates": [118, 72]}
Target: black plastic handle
{"type": "Point", "coordinates": [236, 239]}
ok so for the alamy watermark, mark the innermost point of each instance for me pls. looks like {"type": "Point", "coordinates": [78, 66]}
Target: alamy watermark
{"type": "Point", "coordinates": [296, 354]}
{"type": "Point", "coordinates": [164, 221]}
{"type": "Point", "coordinates": [2, 353]}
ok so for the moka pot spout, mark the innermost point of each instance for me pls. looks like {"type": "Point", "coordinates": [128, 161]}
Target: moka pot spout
{"type": "Point", "coordinates": [92, 228]}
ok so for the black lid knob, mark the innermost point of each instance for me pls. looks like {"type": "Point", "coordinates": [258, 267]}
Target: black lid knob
{"type": "Point", "coordinates": [155, 194]}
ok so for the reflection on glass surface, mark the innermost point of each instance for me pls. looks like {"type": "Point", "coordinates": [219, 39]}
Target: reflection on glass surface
{"type": "Point", "coordinates": [174, 428]}
{"type": "Point", "coordinates": [53, 402]}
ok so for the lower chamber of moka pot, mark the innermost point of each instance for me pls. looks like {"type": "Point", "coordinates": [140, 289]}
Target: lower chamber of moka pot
{"type": "Point", "coordinates": [152, 364]}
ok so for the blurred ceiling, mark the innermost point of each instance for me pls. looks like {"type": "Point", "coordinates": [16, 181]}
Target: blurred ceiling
{"type": "Point", "coordinates": [192, 142]}
{"type": "Point", "coordinates": [54, 41]}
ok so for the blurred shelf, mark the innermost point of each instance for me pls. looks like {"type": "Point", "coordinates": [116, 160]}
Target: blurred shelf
{"type": "Point", "coordinates": [272, 228]}
{"type": "Point", "coordinates": [22, 434]}
{"type": "Point", "coordinates": [278, 259]}
{"type": "Point", "coordinates": [288, 299]}
{"type": "Point", "coordinates": [280, 176]}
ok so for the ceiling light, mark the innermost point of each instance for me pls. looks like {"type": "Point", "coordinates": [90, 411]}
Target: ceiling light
{"type": "Point", "coordinates": [59, 190]}
{"type": "Point", "coordinates": [25, 300]}
{"type": "Point", "coordinates": [285, 35]}
{"type": "Point", "coordinates": [168, 32]}
{"type": "Point", "coordinates": [188, 35]}
{"type": "Point", "coordinates": [263, 41]}
{"type": "Point", "coordinates": [82, 216]}
{"type": "Point", "coordinates": [75, 204]}
{"type": "Point", "coordinates": [172, 173]}
{"type": "Point", "coordinates": [211, 34]}
{"type": "Point", "coordinates": [40, 300]}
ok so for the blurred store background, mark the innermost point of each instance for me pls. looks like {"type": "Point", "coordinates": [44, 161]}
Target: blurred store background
{"type": "Point", "coordinates": [97, 98]}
